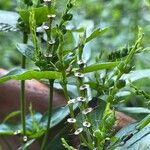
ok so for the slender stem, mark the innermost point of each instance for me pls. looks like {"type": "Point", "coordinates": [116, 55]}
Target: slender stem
{"type": "Point", "coordinates": [51, 82]}
{"type": "Point", "coordinates": [22, 99]}
{"type": "Point", "coordinates": [64, 85]}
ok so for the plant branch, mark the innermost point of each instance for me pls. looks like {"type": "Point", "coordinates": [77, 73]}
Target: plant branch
{"type": "Point", "coordinates": [51, 82]}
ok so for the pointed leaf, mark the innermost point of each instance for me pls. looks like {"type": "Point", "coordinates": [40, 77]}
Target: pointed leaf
{"type": "Point", "coordinates": [139, 140]}
{"type": "Point", "coordinates": [136, 75]}
{"type": "Point", "coordinates": [40, 14]}
{"type": "Point", "coordinates": [26, 50]}
{"type": "Point", "coordinates": [11, 115]}
{"type": "Point", "coordinates": [135, 110]}
{"type": "Point", "coordinates": [22, 74]}
{"type": "Point", "coordinates": [101, 66]}
{"type": "Point", "coordinates": [96, 33]}
{"type": "Point", "coordinates": [57, 116]}
{"type": "Point", "coordinates": [8, 21]}
{"type": "Point", "coordinates": [8, 17]}
{"type": "Point", "coordinates": [8, 129]}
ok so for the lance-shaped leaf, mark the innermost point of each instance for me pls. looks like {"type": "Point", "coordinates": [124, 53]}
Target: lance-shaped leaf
{"type": "Point", "coordinates": [8, 21]}
{"type": "Point", "coordinates": [133, 139]}
{"type": "Point", "coordinates": [26, 50]}
{"type": "Point", "coordinates": [135, 110]}
{"type": "Point", "coordinates": [8, 17]}
{"type": "Point", "coordinates": [96, 67]}
{"type": "Point", "coordinates": [22, 74]}
{"type": "Point", "coordinates": [96, 33]}
{"type": "Point", "coordinates": [137, 75]}
{"type": "Point", "coordinates": [8, 129]}
{"type": "Point", "coordinates": [57, 116]}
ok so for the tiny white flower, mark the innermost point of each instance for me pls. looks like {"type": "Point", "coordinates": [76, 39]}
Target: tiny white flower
{"type": "Point", "coordinates": [107, 138]}
{"type": "Point", "coordinates": [51, 16]}
{"type": "Point", "coordinates": [81, 99]}
{"type": "Point", "coordinates": [71, 101]}
{"type": "Point", "coordinates": [51, 42]}
{"type": "Point", "coordinates": [78, 131]}
{"type": "Point", "coordinates": [71, 120]}
{"type": "Point", "coordinates": [83, 87]}
{"type": "Point", "coordinates": [45, 27]}
{"type": "Point", "coordinates": [86, 124]}
{"type": "Point", "coordinates": [86, 111]}
{"type": "Point", "coordinates": [81, 62]}
{"type": "Point", "coordinates": [79, 75]}
{"type": "Point", "coordinates": [47, 0]}
{"type": "Point", "coordinates": [25, 138]}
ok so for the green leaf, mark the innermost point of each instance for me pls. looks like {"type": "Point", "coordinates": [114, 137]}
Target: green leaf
{"type": "Point", "coordinates": [57, 116]}
{"type": "Point", "coordinates": [22, 74]}
{"type": "Point", "coordinates": [26, 50]}
{"type": "Point", "coordinates": [8, 17]}
{"type": "Point", "coordinates": [56, 141]}
{"type": "Point", "coordinates": [101, 66]}
{"type": "Point", "coordinates": [139, 140]}
{"type": "Point", "coordinates": [8, 21]}
{"type": "Point", "coordinates": [136, 110]}
{"type": "Point", "coordinates": [96, 33]}
{"type": "Point", "coordinates": [11, 115]}
{"type": "Point", "coordinates": [137, 75]}
{"type": "Point", "coordinates": [8, 129]}
{"type": "Point", "coordinates": [40, 14]}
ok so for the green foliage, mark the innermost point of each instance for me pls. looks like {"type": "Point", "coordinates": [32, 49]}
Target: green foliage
{"type": "Point", "coordinates": [58, 46]}
{"type": "Point", "coordinates": [21, 74]}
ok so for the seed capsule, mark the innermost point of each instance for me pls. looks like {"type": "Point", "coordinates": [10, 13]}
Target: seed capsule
{"type": "Point", "coordinates": [79, 75]}
{"type": "Point", "coordinates": [83, 87]}
{"type": "Point", "coordinates": [78, 131]}
{"type": "Point", "coordinates": [51, 16]}
{"type": "Point", "coordinates": [86, 124]}
{"type": "Point", "coordinates": [81, 99]}
{"type": "Point", "coordinates": [86, 111]}
{"type": "Point", "coordinates": [81, 63]}
{"type": "Point", "coordinates": [25, 138]}
{"type": "Point", "coordinates": [45, 27]}
{"type": "Point", "coordinates": [120, 84]}
{"type": "Point", "coordinates": [71, 120]}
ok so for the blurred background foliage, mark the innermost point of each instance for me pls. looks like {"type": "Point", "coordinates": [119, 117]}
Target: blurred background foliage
{"type": "Point", "coordinates": [123, 18]}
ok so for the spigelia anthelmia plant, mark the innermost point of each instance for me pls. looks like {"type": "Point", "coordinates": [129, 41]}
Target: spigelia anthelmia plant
{"type": "Point", "coordinates": [93, 93]}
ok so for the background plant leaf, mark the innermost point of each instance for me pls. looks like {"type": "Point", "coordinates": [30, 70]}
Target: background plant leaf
{"type": "Point", "coordinates": [96, 33]}
{"type": "Point", "coordinates": [11, 115]}
{"type": "Point", "coordinates": [136, 75]}
{"type": "Point", "coordinates": [26, 50]}
{"type": "Point", "coordinates": [139, 141]}
{"type": "Point", "coordinates": [22, 74]}
{"type": "Point", "coordinates": [101, 66]}
{"type": "Point", "coordinates": [135, 110]}
{"type": "Point", "coordinates": [40, 14]}
{"type": "Point", "coordinates": [57, 116]}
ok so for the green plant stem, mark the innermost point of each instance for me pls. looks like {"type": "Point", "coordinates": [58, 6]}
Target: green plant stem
{"type": "Point", "coordinates": [51, 86]}
{"type": "Point", "coordinates": [22, 99]}
{"type": "Point", "coordinates": [64, 85]}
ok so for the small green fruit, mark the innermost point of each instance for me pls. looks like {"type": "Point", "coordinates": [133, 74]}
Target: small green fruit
{"type": "Point", "coordinates": [67, 17]}
{"type": "Point", "coordinates": [70, 5]}
{"type": "Point", "coordinates": [120, 84]}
